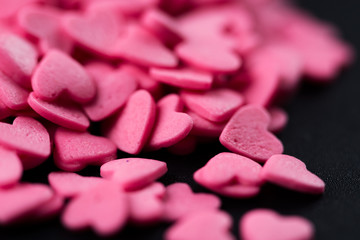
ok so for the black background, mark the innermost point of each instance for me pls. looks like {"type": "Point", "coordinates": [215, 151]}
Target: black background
{"type": "Point", "coordinates": [323, 131]}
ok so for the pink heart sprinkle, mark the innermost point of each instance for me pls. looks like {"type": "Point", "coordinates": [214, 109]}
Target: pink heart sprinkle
{"type": "Point", "coordinates": [75, 150]}
{"type": "Point", "coordinates": [170, 125]}
{"type": "Point", "coordinates": [133, 173]}
{"type": "Point", "coordinates": [216, 105]}
{"type": "Point", "coordinates": [130, 129]}
{"type": "Point", "coordinates": [56, 74]}
{"type": "Point", "coordinates": [104, 208]}
{"type": "Point", "coordinates": [209, 225]}
{"type": "Point", "coordinates": [290, 172]}
{"type": "Point", "coordinates": [266, 224]}
{"type": "Point", "coordinates": [180, 201]}
{"type": "Point", "coordinates": [28, 138]}
{"type": "Point", "coordinates": [146, 205]}
{"type": "Point", "coordinates": [10, 168]}
{"type": "Point", "coordinates": [246, 134]}
{"type": "Point", "coordinates": [11, 94]}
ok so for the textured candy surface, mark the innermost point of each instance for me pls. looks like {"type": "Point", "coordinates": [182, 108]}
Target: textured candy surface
{"type": "Point", "coordinates": [290, 172]}
{"type": "Point", "coordinates": [246, 134]}
{"type": "Point", "coordinates": [11, 94]}
{"type": "Point", "coordinates": [133, 173]}
{"type": "Point", "coordinates": [262, 224]}
{"type": "Point", "coordinates": [130, 129]}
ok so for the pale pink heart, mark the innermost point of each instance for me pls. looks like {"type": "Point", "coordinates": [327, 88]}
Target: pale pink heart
{"type": "Point", "coordinates": [216, 105]}
{"type": "Point", "coordinates": [131, 127]}
{"type": "Point", "coordinates": [18, 201]}
{"type": "Point", "coordinates": [67, 184]}
{"type": "Point", "coordinates": [183, 78]}
{"type": "Point", "coordinates": [113, 90]}
{"type": "Point", "coordinates": [180, 201]}
{"type": "Point", "coordinates": [62, 113]}
{"type": "Point", "coordinates": [171, 126]}
{"type": "Point", "coordinates": [133, 173]}
{"type": "Point", "coordinates": [146, 205]}
{"type": "Point", "coordinates": [97, 31]}
{"type": "Point", "coordinates": [58, 74]}
{"type": "Point", "coordinates": [12, 94]}
{"type": "Point", "coordinates": [137, 45]}
{"type": "Point", "coordinates": [103, 208]}
{"type": "Point", "coordinates": [290, 172]}
{"type": "Point", "coordinates": [18, 58]}
{"type": "Point", "coordinates": [209, 225]}
{"type": "Point", "coordinates": [10, 168]}
{"type": "Point", "coordinates": [260, 224]}
{"type": "Point", "coordinates": [75, 150]}
{"type": "Point", "coordinates": [28, 138]}
{"type": "Point", "coordinates": [246, 134]}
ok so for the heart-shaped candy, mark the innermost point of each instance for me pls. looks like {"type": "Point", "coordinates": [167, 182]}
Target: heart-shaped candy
{"type": "Point", "coordinates": [130, 129]}
{"type": "Point", "coordinates": [75, 150]}
{"type": "Point", "coordinates": [18, 201]}
{"type": "Point", "coordinates": [11, 94]}
{"type": "Point", "coordinates": [28, 138]}
{"type": "Point", "coordinates": [59, 74]}
{"type": "Point", "coordinates": [10, 168]}
{"type": "Point", "coordinates": [209, 225]}
{"type": "Point", "coordinates": [183, 78]}
{"type": "Point", "coordinates": [180, 201]}
{"type": "Point", "coordinates": [103, 208]}
{"type": "Point", "coordinates": [230, 174]}
{"type": "Point", "coordinates": [171, 126]}
{"type": "Point", "coordinates": [146, 205]}
{"type": "Point", "coordinates": [246, 134]}
{"type": "Point", "coordinates": [139, 46]}
{"type": "Point", "coordinates": [290, 172]}
{"type": "Point", "coordinates": [279, 119]}
{"type": "Point", "coordinates": [65, 114]}
{"type": "Point", "coordinates": [203, 127]}
{"type": "Point", "coordinates": [9, 9]}
{"type": "Point", "coordinates": [97, 31]}
{"type": "Point", "coordinates": [266, 224]}
{"type": "Point", "coordinates": [67, 184]}
{"type": "Point", "coordinates": [18, 58]}
{"type": "Point", "coordinates": [133, 173]}
{"type": "Point", "coordinates": [213, 57]}
{"type": "Point", "coordinates": [113, 90]}
{"type": "Point", "coordinates": [215, 105]}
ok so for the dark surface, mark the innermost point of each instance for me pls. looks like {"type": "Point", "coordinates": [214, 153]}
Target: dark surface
{"type": "Point", "coordinates": [323, 131]}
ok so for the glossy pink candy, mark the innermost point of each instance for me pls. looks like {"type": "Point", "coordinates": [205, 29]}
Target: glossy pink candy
{"type": "Point", "coordinates": [10, 168]}
{"type": "Point", "coordinates": [68, 184]}
{"type": "Point", "coordinates": [57, 74]}
{"type": "Point", "coordinates": [209, 225]}
{"type": "Point", "coordinates": [183, 78]}
{"type": "Point", "coordinates": [62, 113]}
{"type": "Point", "coordinates": [133, 173]}
{"type": "Point", "coordinates": [75, 150]}
{"type": "Point", "coordinates": [216, 105]}
{"type": "Point", "coordinates": [96, 31]}
{"type": "Point", "coordinates": [137, 45]}
{"type": "Point", "coordinates": [246, 134]}
{"type": "Point", "coordinates": [180, 201]}
{"type": "Point", "coordinates": [291, 173]}
{"type": "Point", "coordinates": [171, 125]}
{"type": "Point", "coordinates": [209, 57]}
{"type": "Point", "coordinates": [146, 205]}
{"type": "Point", "coordinates": [260, 224]}
{"type": "Point", "coordinates": [231, 175]}
{"type": "Point", "coordinates": [18, 58]}
{"type": "Point", "coordinates": [130, 129]}
{"type": "Point", "coordinates": [28, 138]}
{"type": "Point", "coordinates": [104, 208]}
{"type": "Point", "coordinates": [113, 90]}
{"type": "Point", "coordinates": [18, 201]}
{"type": "Point", "coordinates": [12, 94]}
